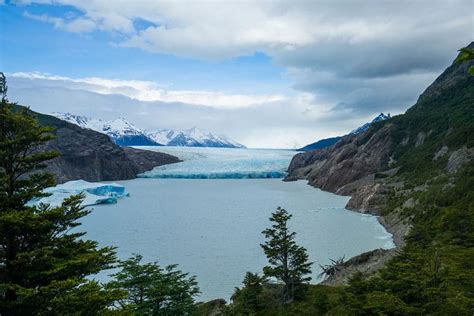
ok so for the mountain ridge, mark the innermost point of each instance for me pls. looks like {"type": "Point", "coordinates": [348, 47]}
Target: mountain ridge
{"type": "Point", "coordinates": [124, 133]}
{"type": "Point", "coordinates": [192, 137]}
{"type": "Point", "coordinates": [326, 142]}
{"type": "Point", "coordinates": [121, 131]}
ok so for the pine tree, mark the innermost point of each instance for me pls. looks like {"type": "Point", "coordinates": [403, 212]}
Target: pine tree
{"type": "Point", "coordinates": [288, 261]}
{"type": "Point", "coordinates": [250, 300]}
{"type": "Point", "coordinates": [44, 261]}
{"type": "Point", "coordinates": [153, 290]}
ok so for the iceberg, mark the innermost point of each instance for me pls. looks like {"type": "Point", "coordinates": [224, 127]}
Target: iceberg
{"type": "Point", "coordinates": [95, 193]}
{"type": "Point", "coordinates": [223, 163]}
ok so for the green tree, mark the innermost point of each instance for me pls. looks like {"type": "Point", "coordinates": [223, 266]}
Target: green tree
{"type": "Point", "coordinates": [153, 290]}
{"type": "Point", "coordinates": [466, 54]}
{"type": "Point", "coordinates": [43, 265]}
{"type": "Point", "coordinates": [288, 261]}
{"type": "Point", "coordinates": [250, 300]}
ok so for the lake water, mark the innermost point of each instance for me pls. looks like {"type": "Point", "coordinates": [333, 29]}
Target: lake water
{"type": "Point", "coordinates": [212, 228]}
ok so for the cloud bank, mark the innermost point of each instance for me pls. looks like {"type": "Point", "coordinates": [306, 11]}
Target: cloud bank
{"type": "Point", "coordinates": [282, 123]}
{"type": "Point", "coordinates": [347, 60]}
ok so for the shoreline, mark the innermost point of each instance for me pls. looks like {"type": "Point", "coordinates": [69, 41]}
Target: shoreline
{"type": "Point", "coordinates": [370, 262]}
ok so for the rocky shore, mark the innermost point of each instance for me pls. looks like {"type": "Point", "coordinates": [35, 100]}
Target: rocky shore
{"type": "Point", "coordinates": [352, 167]}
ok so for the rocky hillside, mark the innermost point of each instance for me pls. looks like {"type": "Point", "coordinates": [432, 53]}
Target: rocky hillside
{"type": "Point", "coordinates": [404, 168]}
{"type": "Point", "coordinates": [432, 137]}
{"type": "Point", "coordinates": [92, 156]}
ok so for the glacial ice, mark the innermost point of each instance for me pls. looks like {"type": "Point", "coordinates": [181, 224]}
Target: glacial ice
{"type": "Point", "coordinates": [223, 163]}
{"type": "Point", "coordinates": [95, 193]}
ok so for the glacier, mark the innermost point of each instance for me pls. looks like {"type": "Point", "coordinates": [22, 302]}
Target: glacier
{"type": "Point", "coordinates": [95, 193]}
{"type": "Point", "coordinates": [222, 163]}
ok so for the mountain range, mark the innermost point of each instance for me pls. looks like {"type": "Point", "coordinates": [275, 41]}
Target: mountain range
{"type": "Point", "coordinates": [124, 133]}
{"type": "Point", "coordinates": [326, 142]}
{"type": "Point", "coordinates": [193, 137]}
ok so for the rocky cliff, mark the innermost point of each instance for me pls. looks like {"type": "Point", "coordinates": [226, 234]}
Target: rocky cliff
{"type": "Point", "coordinates": [385, 168]}
{"type": "Point", "coordinates": [92, 156]}
{"type": "Point", "coordinates": [367, 165]}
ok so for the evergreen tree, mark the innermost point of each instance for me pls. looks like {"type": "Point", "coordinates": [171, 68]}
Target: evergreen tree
{"type": "Point", "coordinates": [288, 261]}
{"type": "Point", "coordinates": [250, 299]}
{"type": "Point", "coordinates": [43, 264]}
{"type": "Point", "coordinates": [153, 290]}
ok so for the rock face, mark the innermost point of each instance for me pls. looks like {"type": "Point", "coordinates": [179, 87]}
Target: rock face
{"type": "Point", "coordinates": [92, 156]}
{"type": "Point", "coordinates": [355, 165]}
{"type": "Point", "coordinates": [459, 158]}
{"type": "Point", "coordinates": [434, 137]}
{"type": "Point", "coordinates": [351, 159]}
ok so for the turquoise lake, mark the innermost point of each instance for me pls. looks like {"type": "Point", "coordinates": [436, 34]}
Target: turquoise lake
{"type": "Point", "coordinates": [212, 228]}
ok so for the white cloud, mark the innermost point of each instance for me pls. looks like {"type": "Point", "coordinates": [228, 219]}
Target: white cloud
{"type": "Point", "coordinates": [348, 59]}
{"type": "Point", "coordinates": [290, 122]}
{"type": "Point", "coordinates": [351, 42]}
{"type": "Point", "coordinates": [76, 25]}
{"type": "Point", "coordinates": [221, 29]}
{"type": "Point", "coordinates": [151, 91]}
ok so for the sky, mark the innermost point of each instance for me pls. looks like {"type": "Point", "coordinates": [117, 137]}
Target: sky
{"type": "Point", "coordinates": [269, 74]}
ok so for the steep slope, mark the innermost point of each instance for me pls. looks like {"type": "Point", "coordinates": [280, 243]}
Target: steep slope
{"type": "Point", "coordinates": [121, 131]}
{"type": "Point", "coordinates": [414, 169]}
{"type": "Point", "coordinates": [323, 143]}
{"type": "Point", "coordinates": [92, 156]}
{"type": "Point", "coordinates": [438, 125]}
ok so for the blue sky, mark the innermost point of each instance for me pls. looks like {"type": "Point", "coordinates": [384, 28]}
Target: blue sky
{"type": "Point", "coordinates": [266, 73]}
{"type": "Point", "coordinates": [29, 44]}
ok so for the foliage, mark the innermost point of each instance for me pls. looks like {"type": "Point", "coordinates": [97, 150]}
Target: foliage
{"type": "Point", "coordinates": [44, 260]}
{"type": "Point", "coordinates": [153, 290]}
{"type": "Point", "coordinates": [288, 261]}
{"type": "Point", "coordinates": [466, 54]}
{"type": "Point", "coordinates": [253, 297]}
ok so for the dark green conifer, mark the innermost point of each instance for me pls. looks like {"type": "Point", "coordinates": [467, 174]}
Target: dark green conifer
{"type": "Point", "coordinates": [44, 261]}
{"type": "Point", "coordinates": [288, 261]}
{"type": "Point", "coordinates": [153, 290]}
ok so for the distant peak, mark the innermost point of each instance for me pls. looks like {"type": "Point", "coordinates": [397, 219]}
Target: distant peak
{"type": "Point", "coordinates": [381, 117]}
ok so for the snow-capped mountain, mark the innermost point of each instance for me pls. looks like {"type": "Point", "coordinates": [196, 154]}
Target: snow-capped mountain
{"type": "Point", "coordinates": [163, 136]}
{"type": "Point", "coordinates": [121, 131]}
{"type": "Point", "coordinates": [124, 133]}
{"type": "Point", "coordinates": [363, 128]}
{"type": "Point", "coordinates": [323, 143]}
{"type": "Point", "coordinates": [193, 137]}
